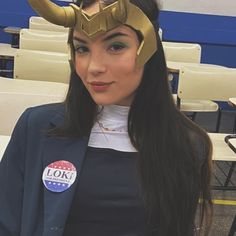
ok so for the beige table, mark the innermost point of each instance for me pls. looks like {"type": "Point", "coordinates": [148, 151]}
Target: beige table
{"type": "Point", "coordinates": [3, 144]}
{"type": "Point", "coordinates": [221, 151]}
{"type": "Point", "coordinates": [12, 30]}
{"type": "Point", "coordinates": [232, 142]}
{"type": "Point", "coordinates": [232, 101]}
{"type": "Point", "coordinates": [174, 67]}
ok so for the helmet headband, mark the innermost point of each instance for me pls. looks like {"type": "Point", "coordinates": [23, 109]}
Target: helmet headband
{"type": "Point", "coordinates": [121, 12]}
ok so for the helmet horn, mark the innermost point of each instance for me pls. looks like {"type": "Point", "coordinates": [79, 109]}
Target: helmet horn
{"type": "Point", "coordinates": [53, 13]}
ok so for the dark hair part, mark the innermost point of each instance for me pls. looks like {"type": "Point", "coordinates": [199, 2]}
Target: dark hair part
{"type": "Point", "coordinates": [174, 154]}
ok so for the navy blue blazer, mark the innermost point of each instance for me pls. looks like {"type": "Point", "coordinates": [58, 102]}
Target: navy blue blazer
{"type": "Point", "coordinates": [27, 208]}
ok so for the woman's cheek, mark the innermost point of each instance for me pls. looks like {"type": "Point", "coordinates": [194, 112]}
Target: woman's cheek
{"type": "Point", "coordinates": [80, 68]}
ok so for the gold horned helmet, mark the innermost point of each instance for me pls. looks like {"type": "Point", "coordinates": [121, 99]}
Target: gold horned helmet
{"type": "Point", "coordinates": [121, 12]}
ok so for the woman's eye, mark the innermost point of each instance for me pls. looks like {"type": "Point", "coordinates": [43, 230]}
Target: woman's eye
{"type": "Point", "coordinates": [117, 47]}
{"type": "Point", "coordinates": [81, 49]}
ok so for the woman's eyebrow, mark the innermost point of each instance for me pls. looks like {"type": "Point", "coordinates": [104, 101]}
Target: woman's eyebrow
{"type": "Point", "coordinates": [79, 39]}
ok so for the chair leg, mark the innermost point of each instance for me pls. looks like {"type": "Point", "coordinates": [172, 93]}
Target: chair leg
{"type": "Point", "coordinates": [194, 116]}
{"type": "Point", "coordinates": [6, 67]}
{"type": "Point", "coordinates": [218, 120]}
{"type": "Point", "coordinates": [174, 82]}
{"type": "Point", "coordinates": [15, 40]}
{"type": "Point", "coordinates": [3, 67]}
{"type": "Point", "coordinates": [233, 227]}
{"type": "Point", "coordinates": [231, 170]}
{"type": "Point", "coordinates": [234, 129]}
{"type": "Point", "coordinates": [224, 185]}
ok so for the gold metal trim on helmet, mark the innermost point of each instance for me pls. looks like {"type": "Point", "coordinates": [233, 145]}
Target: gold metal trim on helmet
{"type": "Point", "coordinates": [121, 12]}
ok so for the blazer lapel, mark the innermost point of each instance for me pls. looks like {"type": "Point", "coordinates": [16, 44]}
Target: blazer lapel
{"type": "Point", "coordinates": [57, 204]}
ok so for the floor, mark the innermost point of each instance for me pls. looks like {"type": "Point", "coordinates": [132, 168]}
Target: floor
{"type": "Point", "coordinates": [225, 210]}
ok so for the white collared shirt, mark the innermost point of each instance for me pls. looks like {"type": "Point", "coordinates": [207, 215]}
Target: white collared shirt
{"type": "Point", "coordinates": [110, 130]}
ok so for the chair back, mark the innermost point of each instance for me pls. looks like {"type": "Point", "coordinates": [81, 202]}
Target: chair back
{"type": "Point", "coordinates": [43, 40]}
{"type": "Point", "coordinates": [207, 83]}
{"type": "Point", "coordinates": [182, 52]}
{"type": "Point", "coordinates": [41, 65]}
{"type": "Point", "coordinates": [36, 22]}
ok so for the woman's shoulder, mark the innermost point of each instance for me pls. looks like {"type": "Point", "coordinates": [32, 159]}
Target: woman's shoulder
{"type": "Point", "coordinates": [47, 110]}
{"type": "Point", "coordinates": [42, 116]}
{"type": "Point", "coordinates": [33, 125]}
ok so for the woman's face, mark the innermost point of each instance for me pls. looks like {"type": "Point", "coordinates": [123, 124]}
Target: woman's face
{"type": "Point", "coordinates": [106, 65]}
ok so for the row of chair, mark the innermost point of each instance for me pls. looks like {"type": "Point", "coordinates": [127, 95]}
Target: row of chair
{"type": "Point", "coordinates": [35, 47]}
{"type": "Point", "coordinates": [41, 59]}
{"type": "Point", "coordinates": [41, 35]}
{"type": "Point", "coordinates": [44, 60]}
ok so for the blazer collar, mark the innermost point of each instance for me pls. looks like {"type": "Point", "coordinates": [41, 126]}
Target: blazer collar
{"type": "Point", "coordinates": [57, 205]}
{"type": "Point", "coordinates": [59, 117]}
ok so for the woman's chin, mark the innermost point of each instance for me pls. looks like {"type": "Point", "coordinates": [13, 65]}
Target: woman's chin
{"type": "Point", "coordinates": [103, 103]}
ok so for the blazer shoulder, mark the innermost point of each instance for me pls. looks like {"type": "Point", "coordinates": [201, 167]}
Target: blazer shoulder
{"type": "Point", "coordinates": [43, 116]}
{"type": "Point", "coordinates": [46, 113]}
{"type": "Point", "coordinates": [47, 110]}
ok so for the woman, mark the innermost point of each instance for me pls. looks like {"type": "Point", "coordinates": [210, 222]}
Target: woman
{"type": "Point", "coordinates": [117, 157]}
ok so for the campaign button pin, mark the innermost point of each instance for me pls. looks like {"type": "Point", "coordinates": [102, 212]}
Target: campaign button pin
{"type": "Point", "coordinates": [59, 176]}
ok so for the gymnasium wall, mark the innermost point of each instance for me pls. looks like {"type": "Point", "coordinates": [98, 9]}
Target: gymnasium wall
{"type": "Point", "coordinates": [212, 23]}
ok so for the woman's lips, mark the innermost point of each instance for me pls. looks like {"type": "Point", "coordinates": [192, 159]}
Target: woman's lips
{"type": "Point", "coordinates": [100, 86]}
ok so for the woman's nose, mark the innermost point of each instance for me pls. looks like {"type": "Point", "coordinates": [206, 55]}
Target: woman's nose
{"type": "Point", "coordinates": [96, 64]}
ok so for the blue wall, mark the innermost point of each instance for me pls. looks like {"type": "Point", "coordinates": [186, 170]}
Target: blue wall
{"type": "Point", "coordinates": [15, 13]}
{"type": "Point", "coordinates": [216, 34]}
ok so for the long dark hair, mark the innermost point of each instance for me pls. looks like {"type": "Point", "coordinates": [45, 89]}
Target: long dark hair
{"type": "Point", "coordinates": [174, 154]}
